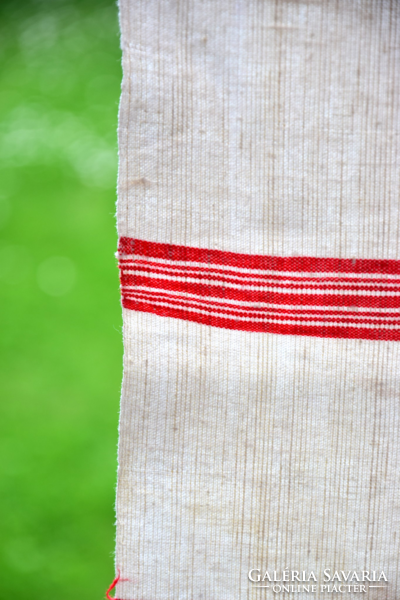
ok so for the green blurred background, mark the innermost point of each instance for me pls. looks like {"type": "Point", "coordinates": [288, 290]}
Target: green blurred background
{"type": "Point", "coordinates": [61, 348]}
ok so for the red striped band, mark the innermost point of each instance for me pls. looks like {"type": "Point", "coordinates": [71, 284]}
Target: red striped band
{"type": "Point", "coordinates": [324, 297]}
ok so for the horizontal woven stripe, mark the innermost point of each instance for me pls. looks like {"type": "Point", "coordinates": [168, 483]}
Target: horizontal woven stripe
{"type": "Point", "coordinates": [323, 297]}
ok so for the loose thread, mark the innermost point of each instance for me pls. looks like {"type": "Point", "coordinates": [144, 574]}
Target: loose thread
{"type": "Point", "coordinates": [112, 586]}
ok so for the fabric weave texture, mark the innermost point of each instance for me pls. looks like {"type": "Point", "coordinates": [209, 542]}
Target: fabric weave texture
{"type": "Point", "coordinates": [259, 228]}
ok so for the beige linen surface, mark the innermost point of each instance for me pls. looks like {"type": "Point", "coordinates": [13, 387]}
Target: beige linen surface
{"type": "Point", "coordinates": [269, 128]}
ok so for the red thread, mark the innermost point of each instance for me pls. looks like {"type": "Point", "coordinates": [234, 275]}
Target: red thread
{"type": "Point", "coordinates": [112, 586]}
{"type": "Point", "coordinates": [323, 297]}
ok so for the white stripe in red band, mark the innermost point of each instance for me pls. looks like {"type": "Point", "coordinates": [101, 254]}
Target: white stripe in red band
{"type": "Point", "coordinates": [324, 297]}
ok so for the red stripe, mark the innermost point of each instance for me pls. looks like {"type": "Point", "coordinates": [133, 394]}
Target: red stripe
{"type": "Point", "coordinates": [251, 261]}
{"type": "Point", "coordinates": [266, 315]}
{"type": "Point", "coordinates": [262, 296]}
{"type": "Point", "coordinates": [181, 270]}
{"type": "Point", "coordinates": [334, 291]}
{"type": "Point", "coordinates": [250, 280]}
{"type": "Point", "coordinates": [259, 312]}
{"type": "Point", "coordinates": [312, 330]}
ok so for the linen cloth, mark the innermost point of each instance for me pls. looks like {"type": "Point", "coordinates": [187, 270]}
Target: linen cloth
{"type": "Point", "coordinates": [258, 217]}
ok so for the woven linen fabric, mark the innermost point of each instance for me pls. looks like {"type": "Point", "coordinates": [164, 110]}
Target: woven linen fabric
{"type": "Point", "coordinates": [258, 221]}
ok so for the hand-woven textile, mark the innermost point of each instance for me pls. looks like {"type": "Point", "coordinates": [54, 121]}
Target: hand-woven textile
{"type": "Point", "coordinates": [259, 252]}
